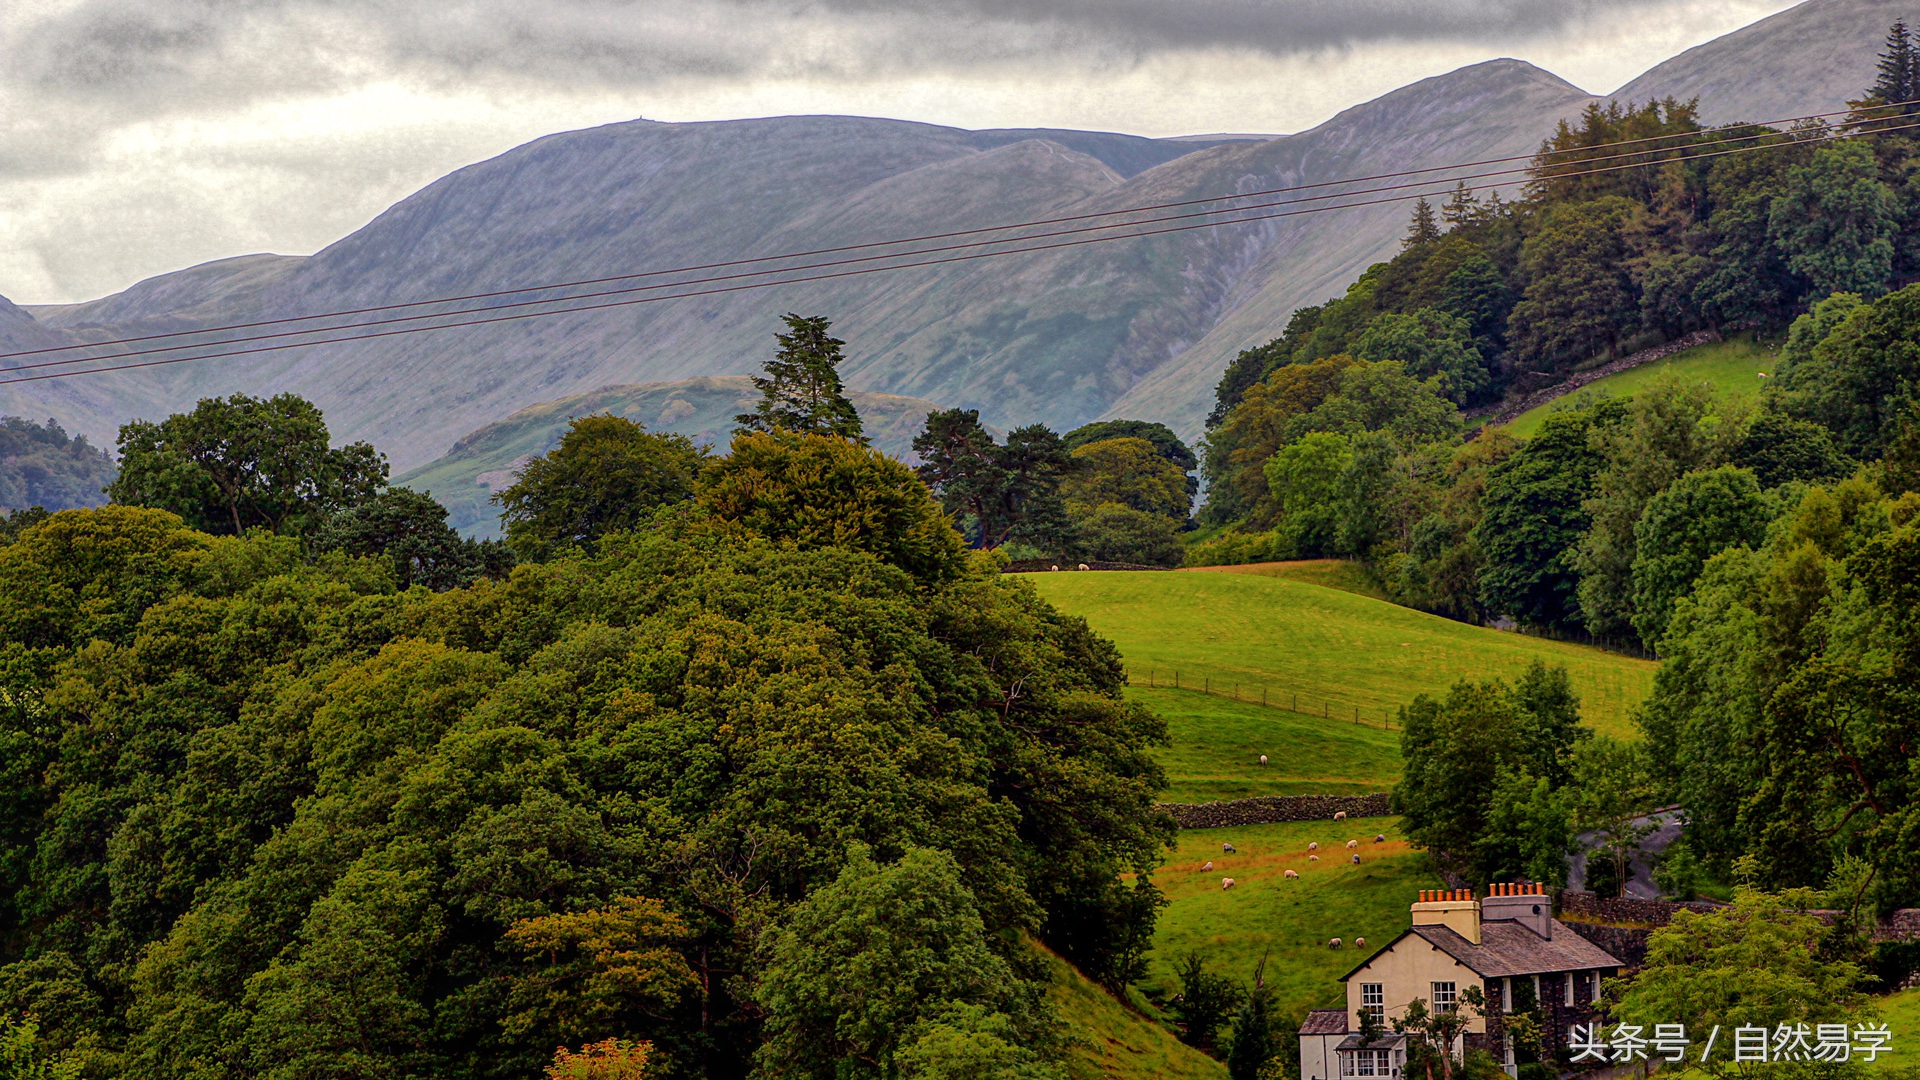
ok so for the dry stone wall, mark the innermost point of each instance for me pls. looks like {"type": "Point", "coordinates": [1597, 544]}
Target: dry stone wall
{"type": "Point", "coordinates": [1269, 809]}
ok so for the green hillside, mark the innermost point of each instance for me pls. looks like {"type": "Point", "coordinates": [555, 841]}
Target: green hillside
{"type": "Point", "coordinates": [1217, 743]}
{"type": "Point", "coordinates": [1733, 367]}
{"type": "Point", "coordinates": [1338, 652]}
{"type": "Point", "coordinates": [1290, 921]}
{"type": "Point", "coordinates": [1109, 1040]}
{"type": "Point", "coordinates": [1343, 574]}
{"type": "Point", "coordinates": [703, 409]}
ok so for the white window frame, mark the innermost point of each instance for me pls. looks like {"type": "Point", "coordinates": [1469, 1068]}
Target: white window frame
{"type": "Point", "coordinates": [1373, 999]}
{"type": "Point", "coordinates": [1446, 997]}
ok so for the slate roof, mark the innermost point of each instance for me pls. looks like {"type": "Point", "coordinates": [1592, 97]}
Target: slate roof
{"type": "Point", "coordinates": [1325, 1022]}
{"type": "Point", "coordinates": [1512, 948]}
{"type": "Point", "coordinates": [1386, 1041]}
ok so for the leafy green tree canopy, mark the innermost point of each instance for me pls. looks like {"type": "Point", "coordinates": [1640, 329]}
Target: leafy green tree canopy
{"type": "Point", "coordinates": [1128, 471]}
{"type": "Point", "coordinates": [1700, 515]}
{"type": "Point", "coordinates": [41, 466]}
{"type": "Point", "coordinates": [823, 491]}
{"type": "Point", "coordinates": [801, 390]}
{"type": "Point", "coordinates": [410, 529]}
{"type": "Point", "coordinates": [1429, 343]}
{"type": "Point", "coordinates": [244, 463]}
{"type": "Point", "coordinates": [608, 475]}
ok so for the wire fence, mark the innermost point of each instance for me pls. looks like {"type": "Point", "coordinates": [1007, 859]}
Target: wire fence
{"type": "Point", "coordinates": [1306, 704]}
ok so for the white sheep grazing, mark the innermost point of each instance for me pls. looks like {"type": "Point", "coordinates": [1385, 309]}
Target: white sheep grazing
{"type": "Point", "coordinates": [1379, 838]}
{"type": "Point", "coordinates": [1359, 943]}
{"type": "Point", "coordinates": [1229, 849]}
{"type": "Point", "coordinates": [1263, 759]}
{"type": "Point", "coordinates": [1356, 860]}
{"type": "Point", "coordinates": [1056, 568]}
{"type": "Point", "coordinates": [1340, 815]}
{"type": "Point", "coordinates": [1333, 943]}
{"type": "Point", "coordinates": [1292, 874]}
{"type": "Point", "coordinates": [1084, 566]}
{"type": "Point", "coordinates": [1351, 844]}
{"type": "Point", "coordinates": [1313, 858]}
{"type": "Point", "coordinates": [1226, 883]}
{"type": "Point", "coordinates": [1208, 865]}
{"type": "Point", "coordinates": [1313, 845]}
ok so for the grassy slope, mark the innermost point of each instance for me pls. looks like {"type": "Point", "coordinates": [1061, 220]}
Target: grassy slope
{"type": "Point", "coordinates": [1111, 1040]}
{"type": "Point", "coordinates": [1731, 366]}
{"type": "Point", "coordinates": [1901, 1011]}
{"type": "Point", "coordinates": [1336, 650]}
{"type": "Point", "coordinates": [1217, 743]}
{"type": "Point", "coordinates": [1333, 573]}
{"type": "Point", "coordinates": [1288, 921]}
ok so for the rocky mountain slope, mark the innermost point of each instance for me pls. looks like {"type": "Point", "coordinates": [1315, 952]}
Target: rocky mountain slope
{"type": "Point", "coordinates": [1810, 58]}
{"type": "Point", "coordinates": [1137, 328]}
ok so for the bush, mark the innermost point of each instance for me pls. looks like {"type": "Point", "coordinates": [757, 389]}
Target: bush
{"type": "Point", "coordinates": [1117, 533]}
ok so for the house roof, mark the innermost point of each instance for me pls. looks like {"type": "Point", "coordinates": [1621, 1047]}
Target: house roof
{"type": "Point", "coordinates": [1512, 948]}
{"type": "Point", "coordinates": [1325, 1022]}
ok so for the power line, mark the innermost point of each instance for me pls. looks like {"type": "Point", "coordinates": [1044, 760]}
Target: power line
{"type": "Point", "coordinates": [801, 280]}
{"type": "Point", "coordinates": [405, 305]}
{"type": "Point", "coordinates": [839, 262]}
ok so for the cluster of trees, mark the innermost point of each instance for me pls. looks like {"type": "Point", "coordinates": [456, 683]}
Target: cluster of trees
{"type": "Point", "coordinates": [1344, 437]}
{"type": "Point", "coordinates": [1112, 490]}
{"type": "Point", "coordinates": [748, 766]}
{"type": "Point", "coordinates": [42, 466]}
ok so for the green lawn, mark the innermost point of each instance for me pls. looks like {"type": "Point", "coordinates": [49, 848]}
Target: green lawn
{"type": "Point", "coordinates": [1901, 1011]}
{"type": "Point", "coordinates": [1217, 743]}
{"type": "Point", "coordinates": [1731, 366]}
{"type": "Point", "coordinates": [1332, 652]}
{"type": "Point", "coordinates": [1109, 1040]}
{"type": "Point", "coordinates": [1288, 921]}
{"type": "Point", "coordinates": [1333, 573]}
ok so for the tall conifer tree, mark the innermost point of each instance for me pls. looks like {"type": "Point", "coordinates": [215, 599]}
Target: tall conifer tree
{"type": "Point", "coordinates": [1899, 81]}
{"type": "Point", "coordinates": [801, 390]}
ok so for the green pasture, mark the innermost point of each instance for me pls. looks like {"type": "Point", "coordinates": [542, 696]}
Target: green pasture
{"type": "Point", "coordinates": [1217, 743]}
{"type": "Point", "coordinates": [1342, 574]}
{"type": "Point", "coordinates": [1289, 921]}
{"type": "Point", "coordinates": [1732, 367]}
{"type": "Point", "coordinates": [1322, 651]}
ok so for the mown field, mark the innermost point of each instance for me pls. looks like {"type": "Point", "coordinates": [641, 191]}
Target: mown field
{"type": "Point", "coordinates": [1322, 651]}
{"type": "Point", "coordinates": [1287, 921]}
{"type": "Point", "coordinates": [1732, 367]}
{"type": "Point", "coordinates": [1217, 743]}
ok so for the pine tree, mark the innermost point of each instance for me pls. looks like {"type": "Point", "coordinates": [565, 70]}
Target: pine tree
{"type": "Point", "coordinates": [802, 390]}
{"type": "Point", "coordinates": [1253, 1043]}
{"type": "Point", "coordinates": [1899, 81]}
{"type": "Point", "coordinates": [1461, 207]}
{"type": "Point", "coordinates": [1425, 227]}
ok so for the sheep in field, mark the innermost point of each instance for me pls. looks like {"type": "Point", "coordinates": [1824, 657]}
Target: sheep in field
{"type": "Point", "coordinates": [1379, 838]}
{"type": "Point", "coordinates": [1351, 844]}
{"type": "Point", "coordinates": [1333, 943]}
{"type": "Point", "coordinates": [1292, 874]}
{"type": "Point", "coordinates": [1313, 845]}
{"type": "Point", "coordinates": [1359, 943]}
{"type": "Point", "coordinates": [1263, 759]}
{"type": "Point", "coordinates": [1313, 858]}
{"type": "Point", "coordinates": [1226, 883]}
{"type": "Point", "coordinates": [1084, 566]}
{"type": "Point", "coordinates": [1340, 815]}
{"type": "Point", "coordinates": [1356, 860]}
{"type": "Point", "coordinates": [1208, 865]}
{"type": "Point", "coordinates": [1229, 849]}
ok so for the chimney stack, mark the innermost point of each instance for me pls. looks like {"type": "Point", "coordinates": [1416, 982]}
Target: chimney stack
{"type": "Point", "coordinates": [1524, 902]}
{"type": "Point", "coordinates": [1452, 908]}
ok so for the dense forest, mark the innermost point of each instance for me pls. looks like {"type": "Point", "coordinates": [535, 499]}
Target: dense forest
{"type": "Point", "coordinates": [44, 467]}
{"type": "Point", "coordinates": [718, 765]}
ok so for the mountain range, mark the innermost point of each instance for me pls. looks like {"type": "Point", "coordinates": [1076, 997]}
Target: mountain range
{"type": "Point", "coordinates": [1136, 328]}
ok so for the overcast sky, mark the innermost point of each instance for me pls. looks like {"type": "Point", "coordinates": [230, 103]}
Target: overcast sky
{"type": "Point", "coordinates": [142, 136]}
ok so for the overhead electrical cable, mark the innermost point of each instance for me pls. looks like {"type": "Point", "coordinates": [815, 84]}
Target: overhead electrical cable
{"type": "Point", "coordinates": [1751, 131]}
{"type": "Point", "coordinates": [577, 308]}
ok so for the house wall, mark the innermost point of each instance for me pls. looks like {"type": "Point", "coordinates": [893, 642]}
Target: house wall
{"type": "Point", "coordinates": [1317, 1059]}
{"type": "Point", "coordinates": [1407, 970]}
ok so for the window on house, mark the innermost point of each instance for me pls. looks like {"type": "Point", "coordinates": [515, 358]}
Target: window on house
{"type": "Point", "coordinates": [1372, 1063]}
{"type": "Point", "coordinates": [1373, 999]}
{"type": "Point", "coordinates": [1444, 998]}
{"type": "Point", "coordinates": [1566, 991]}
